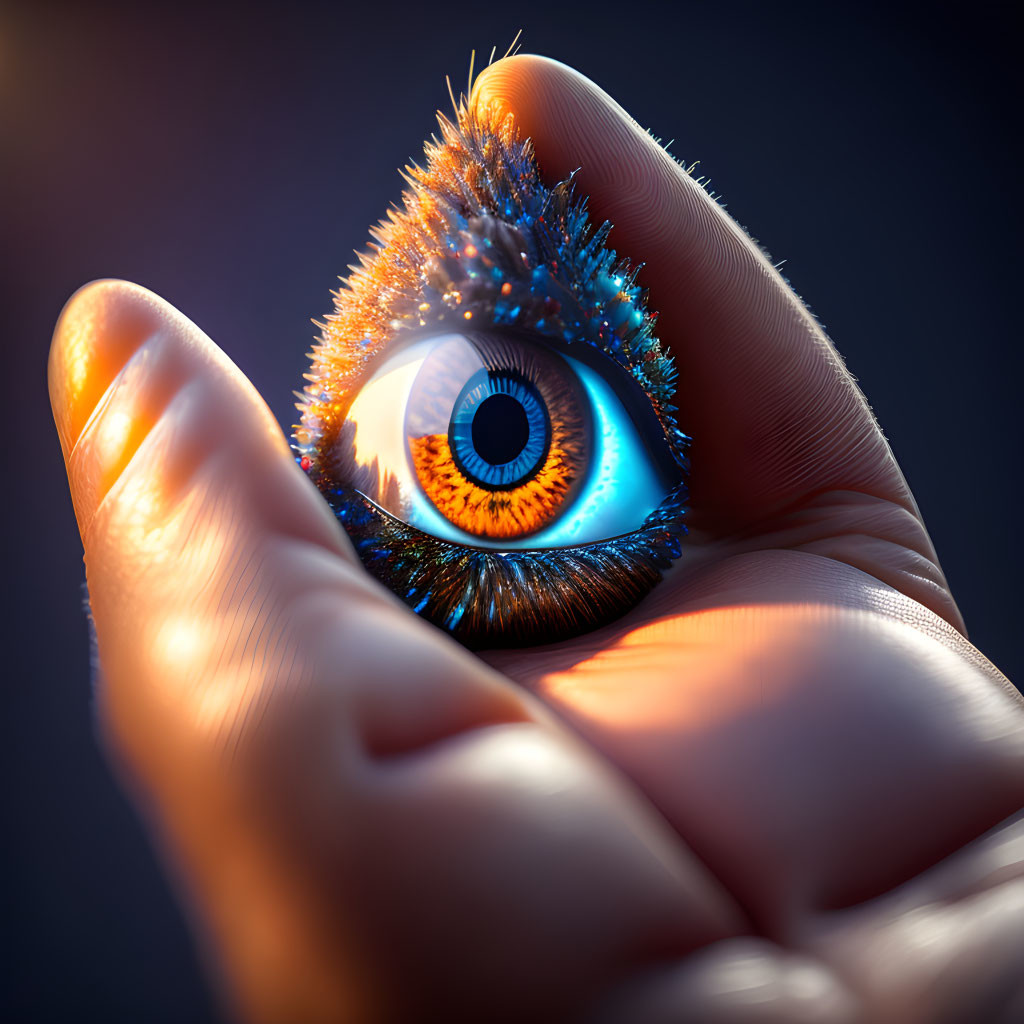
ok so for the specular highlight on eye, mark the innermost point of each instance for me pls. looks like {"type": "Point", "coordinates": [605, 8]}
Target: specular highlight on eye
{"type": "Point", "coordinates": [489, 412]}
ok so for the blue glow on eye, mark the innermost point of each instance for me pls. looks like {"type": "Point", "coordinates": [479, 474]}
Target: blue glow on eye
{"type": "Point", "coordinates": [622, 487]}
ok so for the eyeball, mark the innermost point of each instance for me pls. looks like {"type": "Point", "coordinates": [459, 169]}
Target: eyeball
{"type": "Point", "coordinates": [502, 442]}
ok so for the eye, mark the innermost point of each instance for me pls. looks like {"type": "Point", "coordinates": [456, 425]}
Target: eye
{"type": "Point", "coordinates": [489, 412]}
{"type": "Point", "coordinates": [498, 441]}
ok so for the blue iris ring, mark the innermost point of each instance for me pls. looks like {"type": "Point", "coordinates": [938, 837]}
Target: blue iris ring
{"type": "Point", "coordinates": [500, 430]}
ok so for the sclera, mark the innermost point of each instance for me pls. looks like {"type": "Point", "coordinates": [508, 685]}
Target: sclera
{"type": "Point", "coordinates": [412, 394]}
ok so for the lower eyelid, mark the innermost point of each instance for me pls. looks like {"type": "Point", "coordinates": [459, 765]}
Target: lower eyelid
{"type": "Point", "coordinates": [489, 599]}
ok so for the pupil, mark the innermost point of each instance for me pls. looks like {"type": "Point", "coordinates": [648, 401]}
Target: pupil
{"type": "Point", "coordinates": [500, 429]}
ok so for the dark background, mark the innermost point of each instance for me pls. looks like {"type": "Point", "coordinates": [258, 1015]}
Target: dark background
{"type": "Point", "coordinates": [230, 157]}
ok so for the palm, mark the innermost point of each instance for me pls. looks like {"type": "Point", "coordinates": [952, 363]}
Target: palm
{"type": "Point", "coordinates": [747, 711]}
{"type": "Point", "coordinates": [759, 709]}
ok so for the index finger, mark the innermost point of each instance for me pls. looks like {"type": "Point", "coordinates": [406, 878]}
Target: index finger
{"type": "Point", "coordinates": [779, 425]}
{"type": "Point", "coordinates": [761, 388]}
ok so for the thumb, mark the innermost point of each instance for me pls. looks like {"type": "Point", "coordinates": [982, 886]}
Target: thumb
{"type": "Point", "coordinates": [334, 774]}
{"type": "Point", "coordinates": [126, 370]}
{"type": "Point", "coordinates": [199, 530]}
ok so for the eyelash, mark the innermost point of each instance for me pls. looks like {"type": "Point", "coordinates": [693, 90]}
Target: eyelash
{"type": "Point", "coordinates": [481, 243]}
{"type": "Point", "coordinates": [488, 599]}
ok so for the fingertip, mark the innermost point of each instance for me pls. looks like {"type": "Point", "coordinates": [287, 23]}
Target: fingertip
{"type": "Point", "coordinates": [98, 330]}
{"type": "Point", "coordinates": [509, 79]}
{"type": "Point", "coordinates": [523, 76]}
{"type": "Point", "coordinates": [547, 99]}
{"type": "Point", "coordinates": [124, 361]}
{"type": "Point", "coordinates": [152, 416]}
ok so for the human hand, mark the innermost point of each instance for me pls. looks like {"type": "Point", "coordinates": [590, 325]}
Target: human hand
{"type": "Point", "coordinates": [669, 819]}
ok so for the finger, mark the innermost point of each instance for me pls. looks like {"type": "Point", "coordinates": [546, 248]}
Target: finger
{"type": "Point", "coordinates": [946, 946]}
{"type": "Point", "coordinates": [120, 357]}
{"type": "Point", "coordinates": [335, 775]}
{"type": "Point", "coordinates": [775, 416]}
{"type": "Point", "coordinates": [759, 383]}
{"type": "Point", "coordinates": [739, 981]}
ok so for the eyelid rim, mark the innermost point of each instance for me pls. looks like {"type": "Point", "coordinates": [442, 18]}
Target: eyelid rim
{"type": "Point", "coordinates": [630, 535]}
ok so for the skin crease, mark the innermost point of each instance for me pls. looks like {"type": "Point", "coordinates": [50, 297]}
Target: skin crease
{"type": "Point", "coordinates": [785, 788]}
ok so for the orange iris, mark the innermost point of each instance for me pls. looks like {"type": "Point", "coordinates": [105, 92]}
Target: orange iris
{"type": "Point", "coordinates": [496, 514]}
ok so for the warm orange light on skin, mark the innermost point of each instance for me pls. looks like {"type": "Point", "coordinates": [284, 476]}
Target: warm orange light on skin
{"type": "Point", "coordinates": [484, 513]}
{"type": "Point", "coordinates": [722, 681]}
{"type": "Point", "coordinates": [178, 641]}
{"type": "Point", "coordinates": [703, 668]}
{"type": "Point", "coordinates": [77, 359]}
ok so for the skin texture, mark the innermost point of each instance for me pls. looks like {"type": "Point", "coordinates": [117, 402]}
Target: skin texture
{"type": "Point", "coordinates": [785, 788]}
